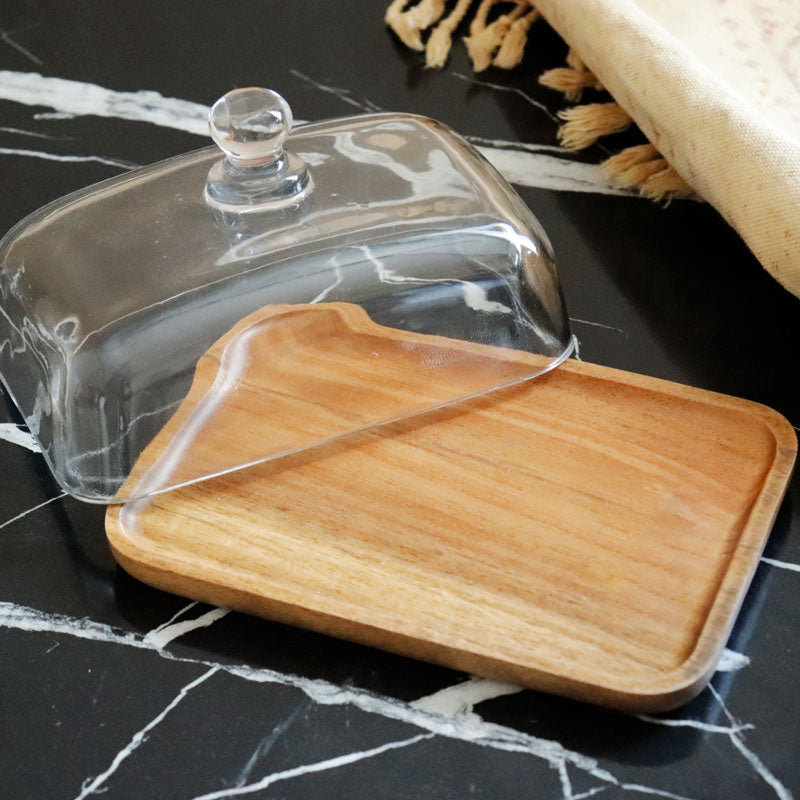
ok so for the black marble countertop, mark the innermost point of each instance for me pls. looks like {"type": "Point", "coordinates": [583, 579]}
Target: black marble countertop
{"type": "Point", "coordinates": [110, 687]}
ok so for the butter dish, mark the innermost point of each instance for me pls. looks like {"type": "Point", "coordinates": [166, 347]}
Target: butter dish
{"type": "Point", "coordinates": [366, 315]}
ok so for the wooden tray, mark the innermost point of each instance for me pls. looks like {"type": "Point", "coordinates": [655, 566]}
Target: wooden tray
{"type": "Point", "coordinates": [590, 533]}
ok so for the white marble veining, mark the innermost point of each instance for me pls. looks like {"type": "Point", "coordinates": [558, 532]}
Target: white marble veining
{"type": "Point", "coordinates": [54, 115]}
{"type": "Point", "coordinates": [473, 81]}
{"type": "Point", "coordinates": [583, 795]}
{"type": "Point", "coordinates": [518, 164]}
{"type": "Point", "coordinates": [598, 325]}
{"type": "Point", "coordinates": [509, 144]}
{"type": "Point", "coordinates": [80, 98]}
{"type": "Point", "coordinates": [461, 698]}
{"type": "Point", "coordinates": [694, 723]}
{"type": "Point", "coordinates": [477, 299]}
{"type": "Point", "coordinates": [774, 562]}
{"type": "Point", "coordinates": [541, 171]}
{"type": "Point", "coordinates": [22, 618]}
{"type": "Point", "coordinates": [174, 618]}
{"type": "Point", "coordinates": [10, 432]}
{"type": "Point", "coordinates": [318, 766]}
{"type": "Point", "coordinates": [342, 94]}
{"type": "Point", "coordinates": [94, 785]}
{"type": "Point", "coordinates": [465, 728]}
{"type": "Point", "coordinates": [517, 161]}
{"type": "Point", "coordinates": [112, 162]}
{"type": "Point", "coordinates": [268, 742]}
{"type": "Point", "coordinates": [451, 715]}
{"type": "Point", "coordinates": [6, 38]}
{"type": "Point", "coordinates": [163, 635]}
{"type": "Point", "coordinates": [475, 296]}
{"type": "Point", "coordinates": [339, 278]}
{"type": "Point", "coordinates": [34, 134]}
{"type": "Point", "coordinates": [735, 735]}
{"type": "Point", "coordinates": [31, 510]}
{"type": "Point", "coordinates": [122, 438]}
{"type": "Point", "coordinates": [731, 661]}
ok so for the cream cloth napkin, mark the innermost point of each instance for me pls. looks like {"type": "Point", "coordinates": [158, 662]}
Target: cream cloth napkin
{"type": "Point", "coordinates": [715, 86]}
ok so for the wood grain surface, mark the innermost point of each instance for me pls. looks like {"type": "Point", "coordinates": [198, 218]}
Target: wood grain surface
{"type": "Point", "coordinates": [590, 533]}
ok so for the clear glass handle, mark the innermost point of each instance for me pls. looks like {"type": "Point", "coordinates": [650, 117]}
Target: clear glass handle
{"type": "Point", "coordinates": [250, 126]}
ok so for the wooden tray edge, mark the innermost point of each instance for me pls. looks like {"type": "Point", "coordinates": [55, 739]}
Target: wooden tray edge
{"type": "Point", "coordinates": [237, 599]}
{"type": "Point", "coordinates": [684, 682]}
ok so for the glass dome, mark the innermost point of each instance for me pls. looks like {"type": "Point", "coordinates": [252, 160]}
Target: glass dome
{"type": "Point", "coordinates": [226, 308]}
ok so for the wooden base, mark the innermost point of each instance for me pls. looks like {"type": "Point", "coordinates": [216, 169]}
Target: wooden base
{"type": "Point", "coordinates": [589, 533]}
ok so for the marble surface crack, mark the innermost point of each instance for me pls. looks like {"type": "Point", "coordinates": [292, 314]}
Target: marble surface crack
{"type": "Point", "coordinates": [319, 766]}
{"type": "Point", "coordinates": [566, 783]}
{"type": "Point", "coordinates": [31, 510]}
{"type": "Point", "coordinates": [92, 785]}
{"type": "Point", "coordinates": [328, 289]}
{"type": "Point", "coordinates": [475, 296]}
{"type": "Point", "coordinates": [177, 615]}
{"type": "Point", "coordinates": [163, 635]}
{"type": "Point", "coordinates": [774, 562]}
{"type": "Point", "coordinates": [5, 36]}
{"type": "Point", "coordinates": [16, 617]}
{"type": "Point", "coordinates": [598, 325]}
{"type": "Point", "coordinates": [506, 89]}
{"type": "Point", "coordinates": [755, 762]}
{"type": "Point", "coordinates": [121, 437]}
{"type": "Point", "coordinates": [338, 92]}
{"type": "Point", "coordinates": [268, 742]}
{"type": "Point", "coordinates": [112, 162]}
{"type": "Point", "coordinates": [461, 698]}
{"type": "Point", "coordinates": [519, 162]}
{"type": "Point", "coordinates": [694, 723]}
{"type": "Point", "coordinates": [590, 792]}
{"type": "Point", "coordinates": [35, 134]}
{"type": "Point", "coordinates": [641, 789]}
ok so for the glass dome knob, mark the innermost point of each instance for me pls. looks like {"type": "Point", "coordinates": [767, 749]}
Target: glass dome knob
{"type": "Point", "coordinates": [250, 125]}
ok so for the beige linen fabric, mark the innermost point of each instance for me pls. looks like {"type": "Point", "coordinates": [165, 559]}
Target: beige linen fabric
{"type": "Point", "coordinates": [715, 86]}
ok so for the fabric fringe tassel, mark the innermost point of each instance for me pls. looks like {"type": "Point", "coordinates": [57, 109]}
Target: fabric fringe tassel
{"type": "Point", "coordinates": [501, 43]}
{"type": "Point", "coordinates": [486, 40]}
{"type": "Point", "coordinates": [512, 48]}
{"type": "Point", "coordinates": [575, 61]}
{"type": "Point", "coordinates": [643, 168]}
{"type": "Point", "coordinates": [572, 79]}
{"type": "Point", "coordinates": [570, 82]}
{"type": "Point", "coordinates": [441, 38]}
{"type": "Point", "coordinates": [584, 125]}
{"type": "Point", "coordinates": [409, 24]}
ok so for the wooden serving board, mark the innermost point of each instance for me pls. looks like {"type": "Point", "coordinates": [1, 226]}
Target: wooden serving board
{"type": "Point", "coordinates": [589, 533]}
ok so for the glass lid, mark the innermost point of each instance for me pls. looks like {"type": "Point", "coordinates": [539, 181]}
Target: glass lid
{"type": "Point", "coordinates": [216, 310]}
